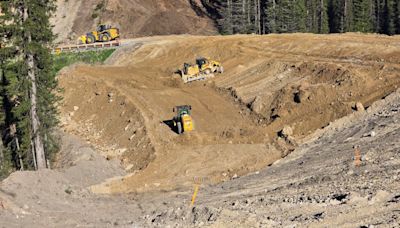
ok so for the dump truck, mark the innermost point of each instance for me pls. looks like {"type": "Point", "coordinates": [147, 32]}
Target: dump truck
{"type": "Point", "coordinates": [103, 33]}
{"type": "Point", "coordinates": [183, 121]}
{"type": "Point", "coordinates": [203, 69]}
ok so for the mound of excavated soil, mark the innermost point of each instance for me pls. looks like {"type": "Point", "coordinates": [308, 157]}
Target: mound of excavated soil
{"type": "Point", "coordinates": [134, 17]}
{"type": "Point", "coordinates": [301, 81]}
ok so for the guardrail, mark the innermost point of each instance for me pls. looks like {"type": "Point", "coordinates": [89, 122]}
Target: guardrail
{"type": "Point", "coordinates": [86, 47]}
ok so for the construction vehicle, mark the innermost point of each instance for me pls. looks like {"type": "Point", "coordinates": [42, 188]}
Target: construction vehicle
{"type": "Point", "coordinates": [103, 33]}
{"type": "Point", "coordinates": [203, 69]}
{"type": "Point", "coordinates": [183, 121]}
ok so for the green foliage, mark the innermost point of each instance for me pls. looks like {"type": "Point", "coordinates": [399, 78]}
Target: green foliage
{"type": "Point", "coordinates": [91, 57]}
{"type": "Point", "coordinates": [98, 9]}
{"type": "Point", "coordinates": [317, 16]}
{"type": "Point", "coordinates": [27, 33]}
{"type": "Point", "coordinates": [95, 15]}
{"type": "Point", "coordinates": [362, 16]}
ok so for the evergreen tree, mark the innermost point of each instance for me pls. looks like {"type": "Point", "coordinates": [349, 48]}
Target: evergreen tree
{"type": "Point", "coordinates": [29, 82]}
{"type": "Point", "coordinates": [397, 16]}
{"type": "Point", "coordinates": [362, 16]}
{"type": "Point", "coordinates": [317, 16]}
{"type": "Point", "coordinates": [323, 25]}
{"type": "Point", "coordinates": [285, 16]}
{"type": "Point", "coordinates": [389, 17]}
{"type": "Point", "coordinates": [270, 11]}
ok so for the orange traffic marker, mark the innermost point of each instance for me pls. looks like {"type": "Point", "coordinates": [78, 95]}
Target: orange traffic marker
{"type": "Point", "coordinates": [196, 190]}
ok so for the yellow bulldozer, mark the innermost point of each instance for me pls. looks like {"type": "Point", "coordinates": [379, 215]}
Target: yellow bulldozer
{"type": "Point", "coordinates": [103, 33]}
{"type": "Point", "coordinates": [183, 121]}
{"type": "Point", "coordinates": [203, 69]}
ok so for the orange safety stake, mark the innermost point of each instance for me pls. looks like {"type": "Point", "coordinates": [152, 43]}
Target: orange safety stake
{"type": "Point", "coordinates": [196, 190]}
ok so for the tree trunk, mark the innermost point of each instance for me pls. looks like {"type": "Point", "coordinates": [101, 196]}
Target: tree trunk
{"type": "Point", "coordinates": [259, 16]}
{"type": "Point", "coordinates": [344, 17]}
{"type": "Point", "coordinates": [1, 153]}
{"type": "Point", "coordinates": [321, 16]}
{"type": "Point", "coordinates": [36, 139]}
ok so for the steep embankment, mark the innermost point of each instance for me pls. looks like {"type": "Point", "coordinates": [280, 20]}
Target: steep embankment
{"type": "Point", "coordinates": [302, 81]}
{"type": "Point", "coordinates": [134, 17]}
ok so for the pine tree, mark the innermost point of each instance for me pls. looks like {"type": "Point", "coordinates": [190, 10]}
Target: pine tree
{"type": "Point", "coordinates": [397, 17]}
{"type": "Point", "coordinates": [270, 12]}
{"type": "Point", "coordinates": [225, 22]}
{"type": "Point", "coordinates": [362, 16]}
{"type": "Point", "coordinates": [389, 18]}
{"type": "Point", "coordinates": [323, 24]}
{"type": "Point", "coordinates": [285, 16]}
{"type": "Point", "coordinates": [30, 83]}
{"type": "Point", "coordinates": [5, 52]}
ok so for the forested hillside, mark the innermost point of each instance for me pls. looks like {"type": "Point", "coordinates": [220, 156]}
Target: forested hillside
{"type": "Point", "coordinates": [317, 16]}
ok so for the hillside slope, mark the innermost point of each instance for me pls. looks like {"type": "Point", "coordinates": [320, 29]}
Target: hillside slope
{"type": "Point", "coordinates": [303, 81]}
{"type": "Point", "coordinates": [135, 18]}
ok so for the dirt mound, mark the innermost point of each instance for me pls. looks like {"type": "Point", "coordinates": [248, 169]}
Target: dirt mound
{"type": "Point", "coordinates": [106, 119]}
{"type": "Point", "coordinates": [302, 82]}
{"type": "Point", "coordinates": [135, 18]}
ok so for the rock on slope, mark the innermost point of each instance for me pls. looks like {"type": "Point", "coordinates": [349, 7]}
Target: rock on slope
{"type": "Point", "coordinates": [134, 17]}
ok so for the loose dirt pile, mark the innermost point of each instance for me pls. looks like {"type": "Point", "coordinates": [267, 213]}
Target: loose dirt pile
{"type": "Point", "coordinates": [135, 18]}
{"type": "Point", "coordinates": [298, 82]}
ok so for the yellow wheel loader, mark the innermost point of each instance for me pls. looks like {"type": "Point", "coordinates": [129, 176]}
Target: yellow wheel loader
{"type": "Point", "coordinates": [103, 33]}
{"type": "Point", "coordinates": [183, 121]}
{"type": "Point", "coordinates": [203, 69]}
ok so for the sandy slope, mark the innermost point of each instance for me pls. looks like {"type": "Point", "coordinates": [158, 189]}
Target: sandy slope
{"type": "Point", "coordinates": [135, 18]}
{"type": "Point", "coordinates": [302, 81]}
{"type": "Point", "coordinates": [317, 185]}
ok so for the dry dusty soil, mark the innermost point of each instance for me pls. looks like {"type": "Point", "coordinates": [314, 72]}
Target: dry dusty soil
{"type": "Point", "coordinates": [126, 167]}
{"type": "Point", "coordinates": [135, 18]}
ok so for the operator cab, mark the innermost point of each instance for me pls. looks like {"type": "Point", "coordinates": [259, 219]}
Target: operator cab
{"type": "Point", "coordinates": [182, 110]}
{"type": "Point", "coordinates": [201, 61]}
{"type": "Point", "coordinates": [101, 28]}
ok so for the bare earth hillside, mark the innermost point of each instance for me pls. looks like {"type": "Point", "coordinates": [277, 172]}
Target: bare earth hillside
{"type": "Point", "coordinates": [135, 18]}
{"type": "Point", "coordinates": [301, 81]}
{"type": "Point", "coordinates": [121, 165]}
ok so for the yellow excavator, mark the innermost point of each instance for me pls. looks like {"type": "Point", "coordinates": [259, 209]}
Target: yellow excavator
{"type": "Point", "coordinates": [183, 121]}
{"type": "Point", "coordinates": [103, 33]}
{"type": "Point", "coordinates": [203, 69]}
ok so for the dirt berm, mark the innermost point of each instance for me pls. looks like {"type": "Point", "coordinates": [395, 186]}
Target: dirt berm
{"type": "Point", "coordinates": [302, 82]}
